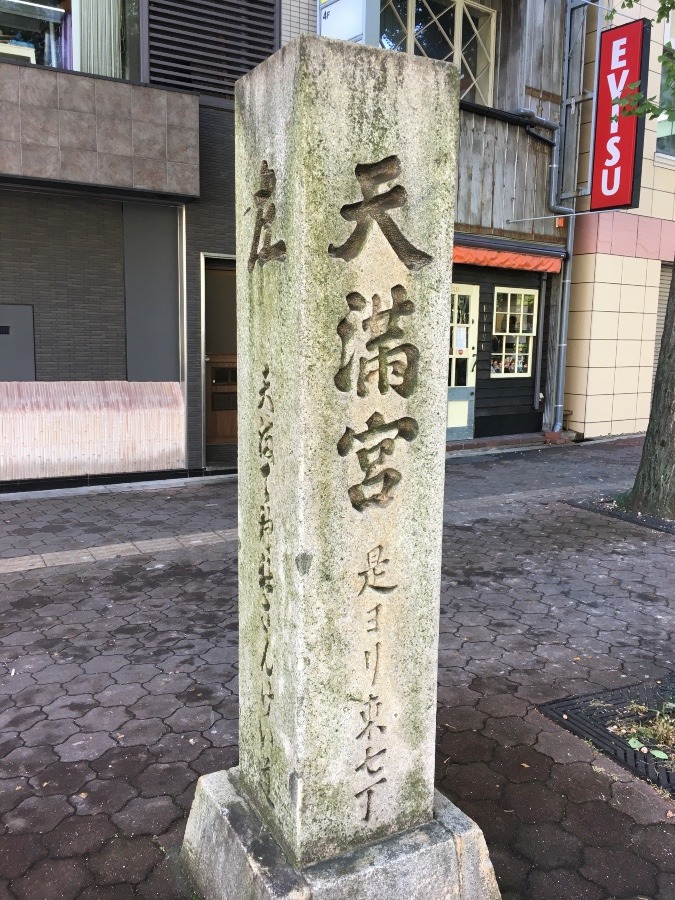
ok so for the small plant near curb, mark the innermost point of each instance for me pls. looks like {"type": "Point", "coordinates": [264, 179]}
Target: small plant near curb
{"type": "Point", "coordinates": [634, 725]}
{"type": "Point", "coordinates": [619, 501]}
{"type": "Point", "coordinates": [648, 730]}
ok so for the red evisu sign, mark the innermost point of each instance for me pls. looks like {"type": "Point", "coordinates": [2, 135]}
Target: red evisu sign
{"type": "Point", "coordinates": [617, 157]}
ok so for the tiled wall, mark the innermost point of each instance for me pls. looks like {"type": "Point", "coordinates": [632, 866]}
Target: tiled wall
{"type": "Point", "coordinates": [610, 348]}
{"type": "Point", "coordinates": [614, 298]}
{"type": "Point", "coordinates": [64, 256]}
{"type": "Point", "coordinates": [209, 229]}
{"type": "Point", "coordinates": [297, 17]}
{"type": "Point", "coordinates": [59, 126]}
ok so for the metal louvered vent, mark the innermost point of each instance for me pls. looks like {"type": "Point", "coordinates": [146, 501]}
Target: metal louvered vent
{"type": "Point", "coordinates": [204, 46]}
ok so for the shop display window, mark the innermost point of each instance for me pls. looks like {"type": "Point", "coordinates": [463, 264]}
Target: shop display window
{"type": "Point", "coordinates": [513, 332]}
{"type": "Point", "coordinates": [34, 33]}
{"type": "Point", "coordinates": [99, 37]}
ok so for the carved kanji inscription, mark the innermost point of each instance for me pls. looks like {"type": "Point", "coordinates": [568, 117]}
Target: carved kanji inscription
{"type": "Point", "coordinates": [373, 350]}
{"type": "Point", "coordinates": [262, 248]}
{"type": "Point", "coordinates": [378, 446]}
{"type": "Point", "coordinates": [376, 208]}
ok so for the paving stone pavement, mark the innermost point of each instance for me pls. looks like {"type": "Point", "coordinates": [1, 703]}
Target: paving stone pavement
{"type": "Point", "coordinates": [118, 683]}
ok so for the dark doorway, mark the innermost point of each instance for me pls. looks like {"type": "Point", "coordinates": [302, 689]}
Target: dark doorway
{"type": "Point", "coordinates": [220, 363]}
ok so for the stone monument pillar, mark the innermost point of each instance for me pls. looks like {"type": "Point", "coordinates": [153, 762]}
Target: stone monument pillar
{"type": "Point", "coordinates": [346, 167]}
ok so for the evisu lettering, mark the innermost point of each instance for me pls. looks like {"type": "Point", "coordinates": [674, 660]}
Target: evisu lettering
{"type": "Point", "coordinates": [618, 137]}
{"type": "Point", "coordinates": [616, 84]}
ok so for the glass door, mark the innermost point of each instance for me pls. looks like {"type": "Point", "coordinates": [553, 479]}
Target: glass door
{"type": "Point", "coordinates": [462, 361]}
{"type": "Point", "coordinates": [220, 363]}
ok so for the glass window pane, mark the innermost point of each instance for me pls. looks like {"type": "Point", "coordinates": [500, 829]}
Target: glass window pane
{"type": "Point", "coordinates": [463, 309]}
{"type": "Point", "coordinates": [461, 370]}
{"type": "Point", "coordinates": [513, 331]}
{"type": "Point", "coordinates": [665, 138]}
{"type": "Point", "coordinates": [32, 32]}
{"type": "Point", "coordinates": [434, 29]}
{"type": "Point", "coordinates": [476, 57]}
{"type": "Point", "coordinates": [393, 18]}
{"type": "Point", "coordinates": [665, 130]}
{"type": "Point", "coordinates": [131, 40]}
{"type": "Point", "coordinates": [496, 365]}
{"type": "Point", "coordinates": [452, 339]}
{"type": "Point", "coordinates": [469, 51]}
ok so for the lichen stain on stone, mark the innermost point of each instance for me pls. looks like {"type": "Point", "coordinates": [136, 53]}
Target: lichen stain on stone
{"type": "Point", "coordinates": [294, 788]}
{"type": "Point", "coordinates": [415, 797]}
{"type": "Point", "coordinates": [303, 562]}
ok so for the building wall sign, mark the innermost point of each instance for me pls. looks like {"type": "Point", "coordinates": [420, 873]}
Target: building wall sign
{"type": "Point", "coordinates": [617, 156]}
{"type": "Point", "coordinates": [350, 20]}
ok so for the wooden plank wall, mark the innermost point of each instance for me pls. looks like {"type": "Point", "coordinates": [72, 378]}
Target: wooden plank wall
{"type": "Point", "coordinates": [543, 56]}
{"type": "Point", "coordinates": [529, 54]}
{"type": "Point", "coordinates": [503, 175]}
{"type": "Point", "coordinates": [504, 172]}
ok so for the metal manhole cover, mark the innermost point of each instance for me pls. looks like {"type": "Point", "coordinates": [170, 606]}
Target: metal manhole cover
{"type": "Point", "coordinates": [589, 716]}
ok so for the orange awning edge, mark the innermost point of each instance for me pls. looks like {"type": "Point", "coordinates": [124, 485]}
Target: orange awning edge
{"type": "Point", "coordinates": [503, 259]}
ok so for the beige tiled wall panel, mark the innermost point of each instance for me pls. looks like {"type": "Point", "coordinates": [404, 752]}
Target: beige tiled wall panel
{"type": "Point", "coordinates": [50, 429]}
{"type": "Point", "coordinates": [611, 337]}
{"type": "Point", "coordinates": [62, 126]}
{"type": "Point", "coordinates": [297, 17]}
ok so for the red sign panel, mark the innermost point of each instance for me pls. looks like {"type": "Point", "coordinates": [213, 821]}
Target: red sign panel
{"type": "Point", "coordinates": [617, 157]}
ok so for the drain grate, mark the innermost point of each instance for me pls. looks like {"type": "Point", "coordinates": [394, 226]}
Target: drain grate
{"type": "Point", "coordinates": [588, 718]}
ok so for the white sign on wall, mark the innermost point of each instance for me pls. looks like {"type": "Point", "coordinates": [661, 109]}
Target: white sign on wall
{"type": "Point", "coordinates": [350, 20]}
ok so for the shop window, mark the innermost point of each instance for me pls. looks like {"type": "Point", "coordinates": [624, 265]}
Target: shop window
{"type": "Point", "coordinates": [514, 329]}
{"type": "Point", "coordinates": [32, 32]}
{"type": "Point", "coordinates": [665, 129]}
{"type": "Point", "coordinates": [100, 37]}
{"type": "Point", "coordinates": [456, 31]}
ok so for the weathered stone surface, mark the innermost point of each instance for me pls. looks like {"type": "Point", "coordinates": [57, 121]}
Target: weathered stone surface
{"type": "Point", "coordinates": [345, 193]}
{"type": "Point", "coordinates": [231, 856]}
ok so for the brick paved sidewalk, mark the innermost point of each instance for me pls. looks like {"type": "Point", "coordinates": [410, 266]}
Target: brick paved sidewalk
{"type": "Point", "coordinates": [120, 688]}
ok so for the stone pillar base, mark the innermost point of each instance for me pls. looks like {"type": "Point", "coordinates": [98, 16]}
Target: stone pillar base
{"type": "Point", "coordinates": [229, 855]}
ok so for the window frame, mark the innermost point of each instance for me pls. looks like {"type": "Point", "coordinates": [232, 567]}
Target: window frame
{"type": "Point", "coordinates": [461, 7]}
{"type": "Point", "coordinates": [501, 333]}
{"type": "Point", "coordinates": [669, 129]}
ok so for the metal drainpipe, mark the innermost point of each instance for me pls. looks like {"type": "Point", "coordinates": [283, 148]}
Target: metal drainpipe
{"type": "Point", "coordinates": [555, 207]}
{"type": "Point", "coordinates": [558, 409]}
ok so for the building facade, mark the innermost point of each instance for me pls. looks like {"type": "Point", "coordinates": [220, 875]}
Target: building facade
{"type": "Point", "coordinates": [623, 263]}
{"type": "Point", "coordinates": [117, 295]}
